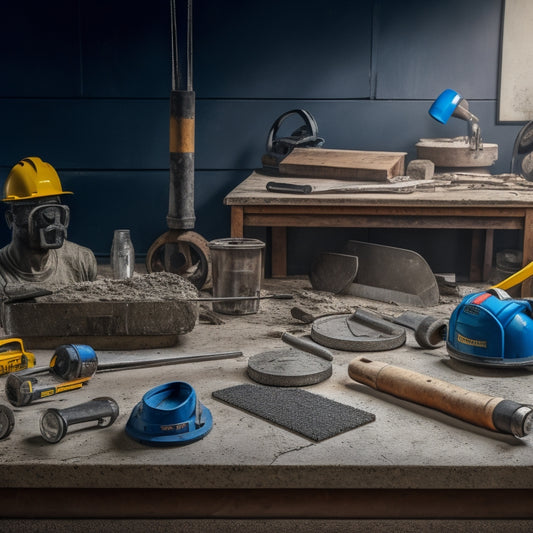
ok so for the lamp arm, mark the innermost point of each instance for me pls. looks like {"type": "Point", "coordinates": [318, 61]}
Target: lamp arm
{"type": "Point", "coordinates": [474, 134]}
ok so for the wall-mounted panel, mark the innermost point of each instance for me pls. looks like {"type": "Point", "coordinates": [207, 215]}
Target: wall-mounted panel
{"type": "Point", "coordinates": [125, 48]}
{"type": "Point", "coordinates": [86, 134]}
{"type": "Point", "coordinates": [282, 49]}
{"type": "Point", "coordinates": [230, 134]}
{"type": "Point", "coordinates": [40, 49]}
{"type": "Point", "coordinates": [425, 47]}
{"type": "Point", "coordinates": [105, 201]}
{"type": "Point", "coordinates": [516, 71]}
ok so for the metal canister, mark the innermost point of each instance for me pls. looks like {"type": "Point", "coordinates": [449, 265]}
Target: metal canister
{"type": "Point", "coordinates": [237, 271]}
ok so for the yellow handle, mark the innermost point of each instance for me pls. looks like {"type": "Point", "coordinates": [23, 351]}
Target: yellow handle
{"type": "Point", "coordinates": [516, 278]}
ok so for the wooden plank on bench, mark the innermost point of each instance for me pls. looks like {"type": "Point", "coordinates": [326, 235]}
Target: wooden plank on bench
{"type": "Point", "coordinates": [343, 164]}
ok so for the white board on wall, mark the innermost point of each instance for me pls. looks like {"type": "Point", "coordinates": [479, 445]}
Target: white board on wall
{"type": "Point", "coordinates": [516, 65]}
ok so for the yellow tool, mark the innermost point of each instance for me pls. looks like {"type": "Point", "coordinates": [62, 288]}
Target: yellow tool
{"type": "Point", "coordinates": [13, 356]}
{"type": "Point", "coordinates": [22, 389]}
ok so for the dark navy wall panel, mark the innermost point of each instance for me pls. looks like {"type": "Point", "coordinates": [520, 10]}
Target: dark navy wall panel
{"type": "Point", "coordinates": [283, 49]}
{"type": "Point", "coordinates": [425, 47]}
{"type": "Point", "coordinates": [230, 134]}
{"type": "Point", "coordinates": [106, 200]}
{"type": "Point", "coordinates": [125, 48]}
{"type": "Point", "coordinates": [212, 217]}
{"type": "Point", "coordinates": [86, 134]}
{"type": "Point", "coordinates": [138, 200]}
{"type": "Point", "coordinates": [40, 52]}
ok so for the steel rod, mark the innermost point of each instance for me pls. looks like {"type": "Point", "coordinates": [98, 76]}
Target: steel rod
{"type": "Point", "coordinates": [119, 365]}
{"type": "Point", "coordinates": [240, 298]}
{"type": "Point", "coordinates": [174, 45]}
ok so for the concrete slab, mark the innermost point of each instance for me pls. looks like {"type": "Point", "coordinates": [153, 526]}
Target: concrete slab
{"type": "Point", "coordinates": [407, 448]}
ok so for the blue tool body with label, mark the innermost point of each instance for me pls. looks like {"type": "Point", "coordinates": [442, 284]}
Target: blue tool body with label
{"type": "Point", "coordinates": [491, 329]}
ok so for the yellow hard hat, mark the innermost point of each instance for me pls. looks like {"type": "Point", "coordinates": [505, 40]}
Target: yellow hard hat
{"type": "Point", "coordinates": [31, 178]}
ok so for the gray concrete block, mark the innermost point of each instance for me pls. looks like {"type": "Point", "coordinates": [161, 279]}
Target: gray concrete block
{"type": "Point", "coordinates": [420, 169]}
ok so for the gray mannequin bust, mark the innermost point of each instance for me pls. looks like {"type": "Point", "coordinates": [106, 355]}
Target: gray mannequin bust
{"type": "Point", "coordinates": [39, 253]}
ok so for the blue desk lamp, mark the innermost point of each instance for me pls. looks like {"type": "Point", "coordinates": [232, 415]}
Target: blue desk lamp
{"type": "Point", "coordinates": [451, 104]}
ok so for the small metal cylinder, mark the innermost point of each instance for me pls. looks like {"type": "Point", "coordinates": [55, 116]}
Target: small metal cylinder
{"type": "Point", "coordinates": [122, 254]}
{"type": "Point", "coordinates": [74, 361]}
{"type": "Point", "coordinates": [54, 423]}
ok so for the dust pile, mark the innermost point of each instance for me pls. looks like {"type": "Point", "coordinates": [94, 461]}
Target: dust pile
{"type": "Point", "coordinates": [156, 286]}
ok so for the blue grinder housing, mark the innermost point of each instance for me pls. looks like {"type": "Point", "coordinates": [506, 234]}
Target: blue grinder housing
{"type": "Point", "coordinates": [491, 329]}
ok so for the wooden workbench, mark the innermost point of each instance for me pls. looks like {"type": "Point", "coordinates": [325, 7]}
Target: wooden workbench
{"type": "Point", "coordinates": [481, 210]}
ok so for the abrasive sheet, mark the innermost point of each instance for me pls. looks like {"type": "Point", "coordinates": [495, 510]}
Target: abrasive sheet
{"type": "Point", "coordinates": [301, 411]}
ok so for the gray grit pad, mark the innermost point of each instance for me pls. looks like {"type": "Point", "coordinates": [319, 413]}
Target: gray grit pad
{"type": "Point", "coordinates": [303, 412]}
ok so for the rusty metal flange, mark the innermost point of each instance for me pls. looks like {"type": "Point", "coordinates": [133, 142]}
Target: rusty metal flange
{"type": "Point", "coordinates": [185, 253]}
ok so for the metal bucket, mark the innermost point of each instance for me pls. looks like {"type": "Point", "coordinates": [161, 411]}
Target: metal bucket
{"type": "Point", "coordinates": [237, 268]}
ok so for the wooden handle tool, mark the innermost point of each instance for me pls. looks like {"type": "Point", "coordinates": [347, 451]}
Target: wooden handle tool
{"type": "Point", "coordinates": [486, 411]}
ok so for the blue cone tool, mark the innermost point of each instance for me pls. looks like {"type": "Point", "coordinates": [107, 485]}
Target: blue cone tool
{"type": "Point", "coordinates": [169, 415]}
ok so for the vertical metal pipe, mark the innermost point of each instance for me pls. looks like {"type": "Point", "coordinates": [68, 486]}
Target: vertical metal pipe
{"type": "Point", "coordinates": [182, 116]}
{"type": "Point", "coordinates": [181, 195]}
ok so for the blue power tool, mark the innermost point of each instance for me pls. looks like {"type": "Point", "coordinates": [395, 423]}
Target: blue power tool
{"type": "Point", "coordinates": [492, 329]}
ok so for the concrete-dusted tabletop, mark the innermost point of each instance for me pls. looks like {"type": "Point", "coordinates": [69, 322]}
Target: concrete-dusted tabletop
{"type": "Point", "coordinates": [407, 448]}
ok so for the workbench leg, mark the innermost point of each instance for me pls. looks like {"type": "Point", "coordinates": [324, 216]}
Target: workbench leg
{"type": "Point", "coordinates": [527, 252]}
{"type": "Point", "coordinates": [237, 222]}
{"type": "Point", "coordinates": [475, 267]}
{"type": "Point", "coordinates": [481, 258]}
{"type": "Point", "coordinates": [487, 256]}
{"type": "Point", "coordinates": [279, 252]}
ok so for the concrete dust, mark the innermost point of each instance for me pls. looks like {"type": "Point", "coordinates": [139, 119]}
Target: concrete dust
{"type": "Point", "coordinates": [322, 303]}
{"type": "Point", "coordinates": [274, 315]}
{"type": "Point", "coordinates": [156, 286]}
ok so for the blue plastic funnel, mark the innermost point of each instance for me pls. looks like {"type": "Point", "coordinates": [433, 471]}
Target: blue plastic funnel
{"type": "Point", "coordinates": [169, 415]}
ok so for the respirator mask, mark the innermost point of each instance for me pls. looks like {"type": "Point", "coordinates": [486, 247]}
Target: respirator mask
{"type": "Point", "coordinates": [47, 225]}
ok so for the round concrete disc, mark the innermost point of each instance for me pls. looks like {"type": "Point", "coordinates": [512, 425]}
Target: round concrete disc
{"type": "Point", "coordinates": [288, 368]}
{"type": "Point", "coordinates": [337, 333]}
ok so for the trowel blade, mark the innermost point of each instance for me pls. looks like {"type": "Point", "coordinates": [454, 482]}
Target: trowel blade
{"type": "Point", "coordinates": [391, 274]}
{"type": "Point", "coordinates": [332, 272]}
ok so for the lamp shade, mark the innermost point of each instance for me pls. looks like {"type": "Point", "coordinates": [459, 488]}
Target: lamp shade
{"type": "Point", "coordinates": [444, 106]}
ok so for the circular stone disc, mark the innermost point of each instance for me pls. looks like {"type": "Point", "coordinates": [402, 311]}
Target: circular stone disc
{"type": "Point", "coordinates": [338, 333]}
{"type": "Point", "coordinates": [288, 368]}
